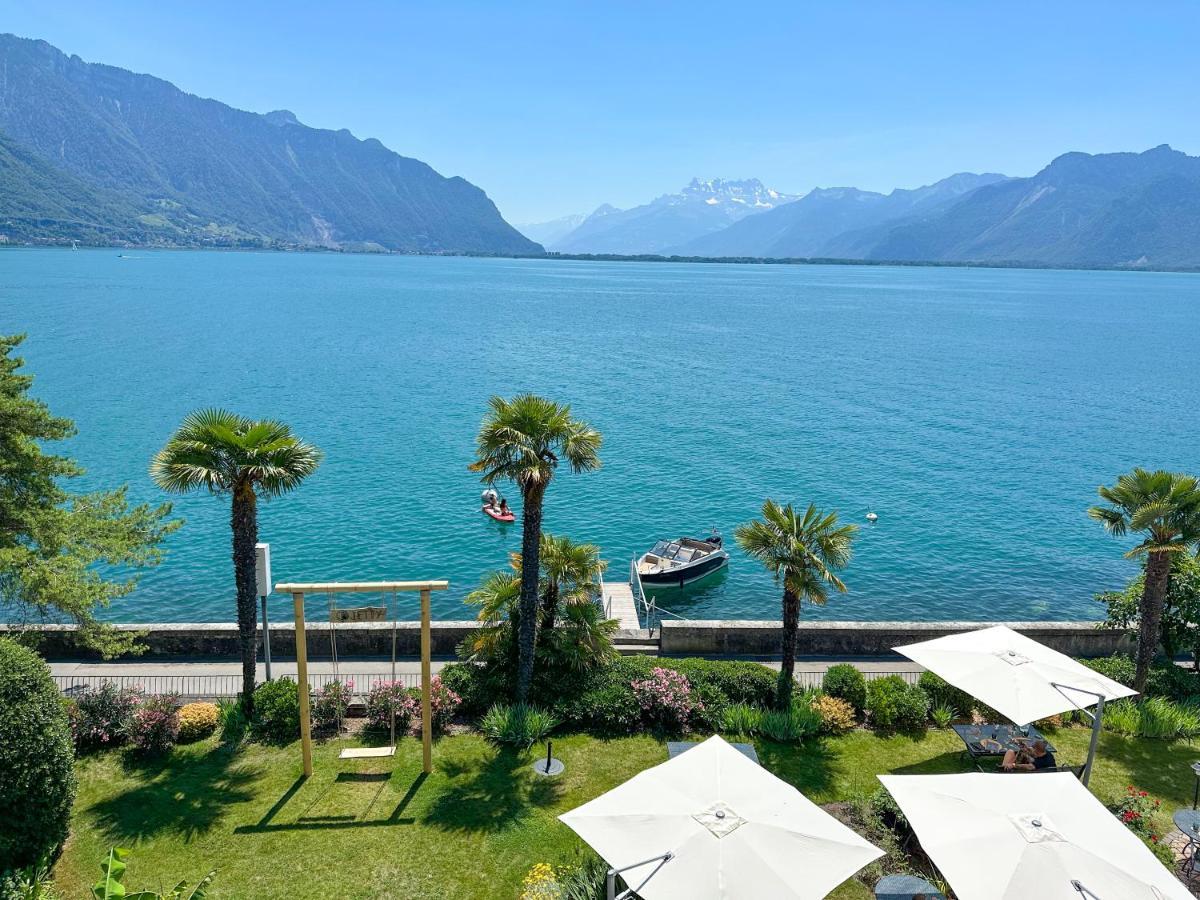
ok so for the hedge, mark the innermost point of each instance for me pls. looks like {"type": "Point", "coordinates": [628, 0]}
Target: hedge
{"type": "Point", "coordinates": [941, 693]}
{"type": "Point", "coordinates": [894, 704]}
{"type": "Point", "coordinates": [36, 757]}
{"type": "Point", "coordinates": [845, 682]}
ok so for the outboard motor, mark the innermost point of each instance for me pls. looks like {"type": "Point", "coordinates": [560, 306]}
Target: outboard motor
{"type": "Point", "coordinates": [715, 539]}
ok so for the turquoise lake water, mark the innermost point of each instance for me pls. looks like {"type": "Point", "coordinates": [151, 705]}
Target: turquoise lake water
{"type": "Point", "coordinates": [974, 410]}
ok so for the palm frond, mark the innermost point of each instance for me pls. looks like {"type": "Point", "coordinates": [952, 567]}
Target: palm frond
{"type": "Point", "coordinates": [523, 439]}
{"type": "Point", "coordinates": [803, 550]}
{"type": "Point", "coordinates": [216, 450]}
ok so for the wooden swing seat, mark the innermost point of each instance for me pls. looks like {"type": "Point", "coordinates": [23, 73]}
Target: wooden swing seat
{"type": "Point", "coordinates": [366, 752]}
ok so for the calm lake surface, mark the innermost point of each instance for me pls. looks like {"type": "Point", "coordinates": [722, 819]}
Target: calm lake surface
{"type": "Point", "coordinates": [974, 410]}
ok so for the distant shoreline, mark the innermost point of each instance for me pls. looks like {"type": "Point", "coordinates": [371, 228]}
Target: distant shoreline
{"type": "Point", "coordinates": [637, 258]}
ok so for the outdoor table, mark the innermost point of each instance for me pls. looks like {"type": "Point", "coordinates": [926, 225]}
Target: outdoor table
{"type": "Point", "coordinates": [996, 740]}
{"type": "Point", "coordinates": [1187, 821]}
{"type": "Point", "coordinates": [905, 887]}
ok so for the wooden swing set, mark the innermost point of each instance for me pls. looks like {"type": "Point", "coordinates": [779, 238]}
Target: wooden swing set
{"type": "Point", "coordinates": [298, 592]}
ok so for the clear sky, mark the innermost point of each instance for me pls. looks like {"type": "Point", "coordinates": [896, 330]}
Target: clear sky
{"type": "Point", "coordinates": [557, 107]}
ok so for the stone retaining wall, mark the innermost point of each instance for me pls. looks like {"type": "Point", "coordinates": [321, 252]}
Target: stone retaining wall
{"type": "Point", "coordinates": [757, 638]}
{"type": "Point", "coordinates": [690, 638]}
{"type": "Point", "coordinates": [171, 641]}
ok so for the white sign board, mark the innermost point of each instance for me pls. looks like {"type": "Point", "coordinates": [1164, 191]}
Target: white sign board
{"type": "Point", "coordinates": [262, 568]}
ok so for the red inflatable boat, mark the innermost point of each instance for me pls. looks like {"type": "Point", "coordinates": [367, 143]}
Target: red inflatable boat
{"type": "Point", "coordinates": [499, 516]}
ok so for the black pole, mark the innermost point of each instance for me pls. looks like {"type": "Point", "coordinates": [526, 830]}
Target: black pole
{"type": "Point", "coordinates": [549, 750]}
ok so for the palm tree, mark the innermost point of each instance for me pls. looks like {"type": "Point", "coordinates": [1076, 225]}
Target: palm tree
{"type": "Point", "coordinates": [804, 552]}
{"type": "Point", "coordinates": [225, 453]}
{"type": "Point", "coordinates": [497, 597]}
{"type": "Point", "coordinates": [581, 638]}
{"type": "Point", "coordinates": [570, 572]}
{"type": "Point", "coordinates": [523, 440]}
{"type": "Point", "coordinates": [1165, 507]}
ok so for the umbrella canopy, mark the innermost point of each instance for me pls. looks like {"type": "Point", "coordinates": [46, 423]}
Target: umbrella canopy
{"type": "Point", "coordinates": [1013, 674]}
{"type": "Point", "coordinates": [736, 831]}
{"type": "Point", "coordinates": [1014, 837]}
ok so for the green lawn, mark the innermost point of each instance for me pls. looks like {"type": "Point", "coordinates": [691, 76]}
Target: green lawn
{"type": "Point", "coordinates": [373, 828]}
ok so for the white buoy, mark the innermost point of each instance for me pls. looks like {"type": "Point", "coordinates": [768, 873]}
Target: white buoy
{"type": "Point", "coordinates": [871, 517]}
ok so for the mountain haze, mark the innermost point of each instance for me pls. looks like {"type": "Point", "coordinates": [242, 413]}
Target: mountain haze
{"type": "Point", "coordinates": [672, 219]}
{"type": "Point", "coordinates": [548, 232]}
{"type": "Point", "coordinates": [137, 159]}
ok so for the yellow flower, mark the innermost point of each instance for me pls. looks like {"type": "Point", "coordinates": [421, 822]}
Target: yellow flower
{"type": "Point", "coordinates": [540, 883]}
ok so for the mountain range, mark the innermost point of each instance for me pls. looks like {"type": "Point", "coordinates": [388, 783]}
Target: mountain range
{"type": "Point", "coordinates": [701, 208]}
{"type": "Point", "coordinates": [1109, 210]}
{"type": "Point", "coordinates": [102, 155]}
{"type": "Point", "coordinates": [96, 153]}
{"type": "Point", "coordinates": [806, 227]}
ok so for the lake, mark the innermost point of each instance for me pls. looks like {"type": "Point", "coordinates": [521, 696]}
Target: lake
{"type": "Point", "coordinates": [974, 410]}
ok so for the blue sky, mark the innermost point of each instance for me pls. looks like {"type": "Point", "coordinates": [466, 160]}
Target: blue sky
{"type": "Point", "coordinates": [554, 108]}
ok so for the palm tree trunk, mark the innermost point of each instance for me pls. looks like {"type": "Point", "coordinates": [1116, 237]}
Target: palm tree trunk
{"type": "Point", "coordinates": [531, 544]}
{"type": "Point", "coordinates": [787, 667]}
{"type": "Point", "coordinates": [244, 522]}
{"type": "Point", "coordinates": [1158, 570]}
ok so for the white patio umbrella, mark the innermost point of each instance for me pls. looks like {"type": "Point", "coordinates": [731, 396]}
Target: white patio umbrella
{"type": "Point", "coordinates": [714, 824]}
{"type": "Point", "coordinates": [1016, 837]}
{"type": "Point", "coordinates": [1017, 676]}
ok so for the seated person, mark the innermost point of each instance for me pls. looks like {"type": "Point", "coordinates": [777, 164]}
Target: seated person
{"type": "Point", "coordinates": [1030, 760]}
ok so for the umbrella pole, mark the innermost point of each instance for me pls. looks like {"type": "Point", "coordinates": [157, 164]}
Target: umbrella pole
{"type": "Point", "coordinates": [662, 859]}
{"type": "Point", "coordinates": [1096, 717]}
{"type": "Point", "coordinates": [1099, 714]}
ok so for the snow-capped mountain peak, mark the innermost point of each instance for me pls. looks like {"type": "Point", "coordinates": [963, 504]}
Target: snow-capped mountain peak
{"type": "Point", "coordinates": [701, 207]}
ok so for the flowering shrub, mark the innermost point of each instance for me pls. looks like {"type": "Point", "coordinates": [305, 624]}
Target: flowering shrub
{"type": "Point", "coordinates": [329, 704]}
{"type": "Point", "coordinates": [837, 715]}
{"type": "Point", "coordinates": [383, 695]}
{"type": "Point", "coordinates": [540, 883]}
{"type": "Point", "coordinates": [104, 717]}
{"type": "Point", "coordinates": [156, 724]}
{"type": "Point", "coordinates": [444, 702]}
{"type": "Point", "coordinates": [1136, 810]}
{"type": "Point", "coordinates": [196, 721]}
{"type": "Point", "coordinates": [666, 698]}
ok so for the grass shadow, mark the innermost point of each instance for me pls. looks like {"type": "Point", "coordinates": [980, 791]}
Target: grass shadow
{"type": "Point", "coordinates": [492, 795]}
{"type": "Point", "coordinates": [950, 763]}
{"type": "Point", "coordinates": [810, 767]}
{"type": "Point", "coordinates": [311, 819]}
{"type": "Point", "coordinates": [180, 794]}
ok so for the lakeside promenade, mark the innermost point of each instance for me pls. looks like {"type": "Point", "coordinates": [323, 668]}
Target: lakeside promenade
{"type": "Point", "coordinates": [210, 679]}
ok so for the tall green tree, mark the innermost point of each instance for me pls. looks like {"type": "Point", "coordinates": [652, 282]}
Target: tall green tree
{"type": "Point", "coordinates": [524, 440]}
{"type": "Point", "coordinates": [63, 555]}
{"type": "Point", "coordinates": [227, 454]}
{"type": "Point", "coordinates": [804, 551]}
{"type": "Point", "coordinates": [1179, 629]}
{"type": "Point", "coordinates": [1163, 507]}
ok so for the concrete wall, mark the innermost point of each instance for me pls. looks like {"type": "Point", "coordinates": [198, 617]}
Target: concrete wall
{"type": "Point", "coordinates": [757, 638]}
{"type": "Point", "coordinates": [221, 640]}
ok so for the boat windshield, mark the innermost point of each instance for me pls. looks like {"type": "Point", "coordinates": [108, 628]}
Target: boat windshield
{"type": "Point", "coordinates": [666, 549]}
